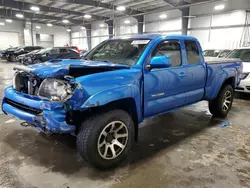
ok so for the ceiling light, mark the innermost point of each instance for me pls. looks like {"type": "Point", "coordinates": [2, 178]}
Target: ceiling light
{"type": "Point", "coordinates": [163, 16]}
{"type": "Point", "coordinates": [49, 25]}
{"type": "Point", "coordinates": [219, 7]}
{"type": "Point", "coordinates": [121, 8]}
{"type": "Point", "coordinates": [2, 23]}
{"type": "Point", "coordinates": [35, 8]}
{"type": "Point", "coordinates": [38, 27]}
{"type": "Point", "coordinates": [87, 16]}
{"type": "Point", "coordinates": [189, 16]}
{"type": "Point", "coordinates": [127, 22]}
{"type": "Point", "coordinates": [65, 21]}
{"type": "Point", "coordinates": [83, 28]}
{"type": "Point", "coordinates": [19, 15]}
{"type": "Point", "coordinates": [68, 30]}
{"type": "Point", "coordinates": [8, 20]}
{"type": "Point", "coordinates": [102, 25]}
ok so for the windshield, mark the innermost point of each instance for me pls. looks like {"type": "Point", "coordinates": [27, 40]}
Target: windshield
{"type": "Point", "coordinates": [243, 54]}
{"type": "Point", "coordinates": [224, 53]}
{"type": "Point", "coordinates": [120, 51]}
{"type": "Point", "coordinates": [33, 52]}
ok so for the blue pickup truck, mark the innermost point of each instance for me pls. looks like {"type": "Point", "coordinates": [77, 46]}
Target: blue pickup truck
{"type": "Point", "coordinates": [104, 97]}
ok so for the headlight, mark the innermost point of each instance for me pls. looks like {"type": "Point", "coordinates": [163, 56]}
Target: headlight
{"type": "Point", "coordinates": [55, 90]}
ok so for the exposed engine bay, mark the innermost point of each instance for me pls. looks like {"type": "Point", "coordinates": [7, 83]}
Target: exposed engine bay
{"type": "Point", "coordinates": [26, 82]}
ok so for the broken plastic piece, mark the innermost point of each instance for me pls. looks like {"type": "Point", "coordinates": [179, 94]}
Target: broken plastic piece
{"type": "Point", "coordinates": [224, 124]}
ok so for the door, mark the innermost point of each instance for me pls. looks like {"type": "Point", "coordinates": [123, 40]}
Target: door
{"type": "Point", "coordinates": [164, 89]}
{"type": "Point", "coordinates": [196, 72]}
{"type": "Point", "coordinates": [53, 54]}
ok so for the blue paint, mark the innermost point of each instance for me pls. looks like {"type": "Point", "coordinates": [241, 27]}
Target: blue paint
{"type": "Point", "coordinates": [224, 124]}
{"type": "Point", "coordinates": [154, 91]}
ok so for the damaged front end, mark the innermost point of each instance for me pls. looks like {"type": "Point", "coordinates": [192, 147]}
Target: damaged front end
{"type": "Point", "coordinates": [39, 102]}
{"type": "Point", "coordinates": [45, 95]}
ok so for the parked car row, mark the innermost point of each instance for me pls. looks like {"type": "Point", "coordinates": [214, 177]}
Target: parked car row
{"type": "Point", "coordinates": [37, 54]}
{"type": "Point", "coordinates": [49, 54]}
{"type": "Point", "coordinates": [11, 55]}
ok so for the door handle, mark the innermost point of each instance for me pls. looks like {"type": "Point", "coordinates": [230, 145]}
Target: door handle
{"type": "Point", "coordinates": [182, 75]}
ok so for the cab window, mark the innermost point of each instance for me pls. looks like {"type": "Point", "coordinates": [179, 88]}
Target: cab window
{"type": "Point", "coordinates": [193, 55]}
{"type": "Point", "coordinates": [169, 48]}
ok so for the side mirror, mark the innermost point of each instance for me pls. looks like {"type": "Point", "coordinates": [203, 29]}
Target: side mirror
{"type": "Point", "coordinates": [160, 62]}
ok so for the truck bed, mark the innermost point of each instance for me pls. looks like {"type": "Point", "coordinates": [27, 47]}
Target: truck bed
{"type": "Point", "coordinates": [215, 60]}
{"type": "Point", "coordinates": [219, 70]}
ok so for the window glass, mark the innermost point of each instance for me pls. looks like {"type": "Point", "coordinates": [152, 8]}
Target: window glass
{"type": "Point", "coordinates": [171, 49]}
{"type": "Point", "coordinates": [209, 53]}
{"type": "Point", "coordinates": [54, 51]}
{"type": "Point", "coordinates": [192, 50]}
{"type": "Point", "coordinates": [62, 50]}
{"type": "Point", "coordinates": [119, 51]}
{"type": "Point", "coordinates": [28, 48]}
{"type": "Point", "coordinates": [243, 54]}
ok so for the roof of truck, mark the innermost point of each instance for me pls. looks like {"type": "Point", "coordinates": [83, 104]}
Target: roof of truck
{"type": "Point", "coordinates": [153, 36]}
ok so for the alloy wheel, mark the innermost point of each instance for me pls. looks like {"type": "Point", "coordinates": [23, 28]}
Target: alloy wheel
{"type": "Point", "coordinates": [227, 101]}
{"type": "Point", "coordinates": [112, 140]}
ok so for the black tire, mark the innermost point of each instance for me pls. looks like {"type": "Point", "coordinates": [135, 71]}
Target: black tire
{"type": "Point", "coordinates": [90, 131]}
{"type": "Point", "coordinates": [216, 106]}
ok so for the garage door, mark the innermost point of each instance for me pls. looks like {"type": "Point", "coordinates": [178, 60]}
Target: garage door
{"type": "Point", "coordinates": [8, 39]}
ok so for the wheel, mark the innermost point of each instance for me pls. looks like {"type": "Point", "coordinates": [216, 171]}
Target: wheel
{"type": "Point", "coordinates": [222, 104]}
{"type": "Point", "coordinates": [104, 140]}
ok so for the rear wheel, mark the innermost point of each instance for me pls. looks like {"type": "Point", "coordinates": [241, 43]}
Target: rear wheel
{"type": "Point", "coordinates": [105, 139]}
{"type": "Point", "coordinates": [222, 104]}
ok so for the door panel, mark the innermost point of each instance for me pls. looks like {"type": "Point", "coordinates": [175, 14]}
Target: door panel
{"type": "Point", "coordinates": [196, 72]}
{"type": "Point", "coordinates": [164, 89]}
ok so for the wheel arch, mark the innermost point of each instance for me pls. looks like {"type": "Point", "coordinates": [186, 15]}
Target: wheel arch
{"type": "Point", "coordinates": [126, 104]}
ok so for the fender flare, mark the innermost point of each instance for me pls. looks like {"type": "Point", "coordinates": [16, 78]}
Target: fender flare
{"type": "Point", "coordinates": [225, 76]}
{"type": "Point", "coordinates": [114, 94]}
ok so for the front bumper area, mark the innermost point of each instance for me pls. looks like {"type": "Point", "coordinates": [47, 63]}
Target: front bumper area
{"type": "Point", "coordinates": [46, 115]}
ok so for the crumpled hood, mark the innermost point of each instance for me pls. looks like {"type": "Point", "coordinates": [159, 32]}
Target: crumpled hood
{"type": "Point", "coordinates": [52, 69]}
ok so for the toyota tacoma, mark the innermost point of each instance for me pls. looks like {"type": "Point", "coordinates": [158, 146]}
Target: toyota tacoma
{"type": "Point", "coordinates": [103, 98]}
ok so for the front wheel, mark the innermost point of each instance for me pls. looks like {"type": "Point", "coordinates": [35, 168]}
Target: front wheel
{"type": "Point", "coordinates": [222, 104]}
{"type": "Point", "coordinates": [104, 140]}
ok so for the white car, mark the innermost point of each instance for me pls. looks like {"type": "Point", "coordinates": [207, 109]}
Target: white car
{"type": "Point", "coordinates": [244, 55]}
{"type": "Point", "coordinates": [216, 53]}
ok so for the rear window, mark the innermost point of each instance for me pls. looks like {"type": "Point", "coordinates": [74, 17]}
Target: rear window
{"type": "Point", "coordinates": [192, 50]}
